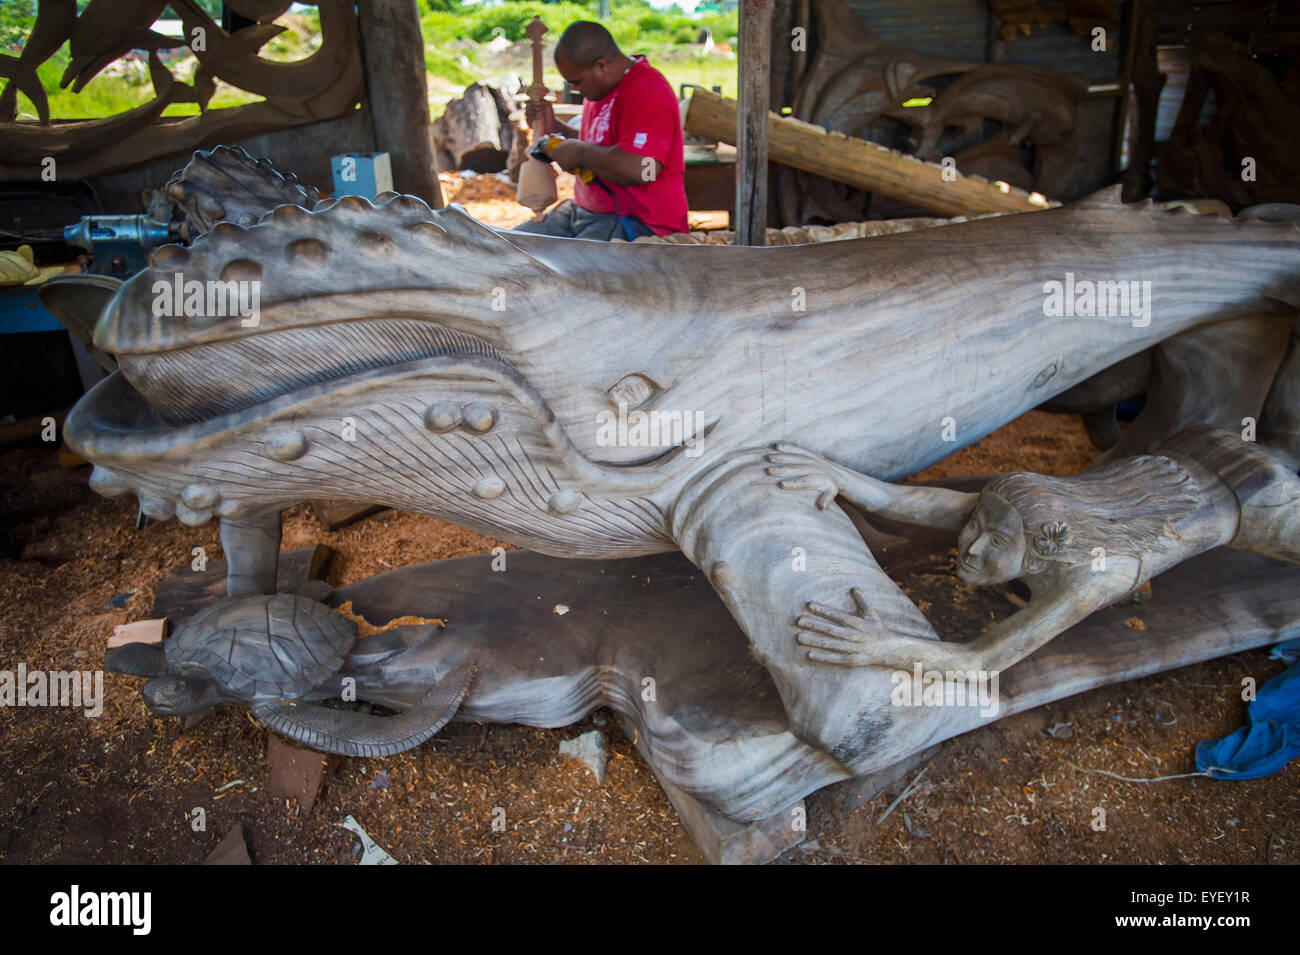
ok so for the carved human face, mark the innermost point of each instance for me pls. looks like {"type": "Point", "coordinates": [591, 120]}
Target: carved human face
{"type": "Point", "coordinates": [991, 547]}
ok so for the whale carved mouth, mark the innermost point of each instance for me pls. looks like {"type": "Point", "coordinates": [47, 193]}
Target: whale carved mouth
{"type": "Point", "coordinates": [204, 381]}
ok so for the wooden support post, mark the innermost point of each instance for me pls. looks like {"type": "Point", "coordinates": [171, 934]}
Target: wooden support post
{"type": "Point", "coordinates": [397, 98]}
{"type": "Point", "coordinates": [751, 121]}
{"type": "Point", "coordinates": [799, 61]}
{"type": "Point", "coordinates": [860, 163]}
{"type": "Point", "coordinates": [1130, 39]}
{"type": "Point", "coordinates": [1141, 101]}
{"type": "Point", "coordinates": [252, 548]}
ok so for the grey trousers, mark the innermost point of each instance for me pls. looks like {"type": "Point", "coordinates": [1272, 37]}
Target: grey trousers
{"type": "Point", "coordinates": [570, 220]}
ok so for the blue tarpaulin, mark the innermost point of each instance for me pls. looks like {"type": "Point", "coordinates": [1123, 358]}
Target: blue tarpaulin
{"type": "Point", "coordinates": [1271, 737]}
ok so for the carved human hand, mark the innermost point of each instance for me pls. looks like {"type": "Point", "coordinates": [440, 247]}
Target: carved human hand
{"type": "Point", "coordinates": [800, 470]}
{"type": "Point", "coordinates": [860, 638]}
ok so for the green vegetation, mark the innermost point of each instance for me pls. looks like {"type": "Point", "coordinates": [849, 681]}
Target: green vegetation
{"type": "Point", "coordinates": [634, 23]}
{"type": "Point", "coordinates": [452, 31]}
{"type": "Point", "coordinates": [16, 19]}
{"type": "Point", "coordinates": [455, 50]}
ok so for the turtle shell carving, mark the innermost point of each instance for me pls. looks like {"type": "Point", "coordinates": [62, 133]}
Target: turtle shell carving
{"type": "Point", "coordinates": [269, 651]}
{"type": "Point", "coordinates": [262, 649]}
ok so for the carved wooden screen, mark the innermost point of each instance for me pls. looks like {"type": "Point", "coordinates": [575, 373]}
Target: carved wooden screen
{"type": "Point", "coordinates": [326, 84]}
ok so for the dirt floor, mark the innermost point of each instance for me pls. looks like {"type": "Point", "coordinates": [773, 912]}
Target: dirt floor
{"type": "Point", "coordinates": [123, 787]}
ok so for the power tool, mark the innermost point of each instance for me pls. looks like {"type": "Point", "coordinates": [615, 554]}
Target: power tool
{"type": "Point", "coordinates": [120, 245]}
{"type": "Point", "coordinates": [542, 150]}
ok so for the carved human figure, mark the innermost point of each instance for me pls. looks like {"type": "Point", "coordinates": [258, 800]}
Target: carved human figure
{"type": "Point", "coordinates": [1080, 543]}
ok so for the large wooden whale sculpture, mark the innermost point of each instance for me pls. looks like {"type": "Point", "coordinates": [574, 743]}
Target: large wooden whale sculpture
{"type": "Point", "coordinates": [516, 385]}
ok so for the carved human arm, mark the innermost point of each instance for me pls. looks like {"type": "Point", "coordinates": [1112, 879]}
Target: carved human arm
{"type": "Point", "coordinates": [800, 470]}
{"type": "Point", "coordinates": [853, 638]}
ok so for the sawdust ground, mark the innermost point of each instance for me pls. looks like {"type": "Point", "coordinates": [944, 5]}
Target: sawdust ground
{"type": "Point", "coordinates": [492, 201]}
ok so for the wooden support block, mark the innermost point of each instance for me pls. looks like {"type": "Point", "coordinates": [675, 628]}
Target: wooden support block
{"type": "Point", "coordinates": [336, 514]}
{"type": "Point", "coordinates": [296, 773]}
{"type": "Point", "coordinates": [863, 164]}
{"type": "Point", "coordinates": [141, 631]}
{"type": "Point", "coordinates": [231, 850]}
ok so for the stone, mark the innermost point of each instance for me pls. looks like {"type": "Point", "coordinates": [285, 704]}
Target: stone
{"type": "Point", "coordinates": [591, 748]}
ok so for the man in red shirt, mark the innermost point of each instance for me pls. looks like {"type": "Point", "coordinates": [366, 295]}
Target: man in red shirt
{"type": "Point", "coordinates": [631, 139]}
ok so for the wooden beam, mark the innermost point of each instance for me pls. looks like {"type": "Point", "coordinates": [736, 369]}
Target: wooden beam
{"type": "Point", "coordinates": [750, 130]}
{"type": "Point", "coordinates": [397, 98]}
{"type": "Point", "coordinates": [863, 164]}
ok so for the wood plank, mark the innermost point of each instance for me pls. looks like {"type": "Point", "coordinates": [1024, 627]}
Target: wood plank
{"type": "Point", "coordinates": [27, 428]}
{"type": "Point", "coordinates": [296, 772]}
{"type": "Point", "coordinates": [398, 100]}
{"type": "Point", "coordinates": [336, 514]}
{"type": "Point", "coordinates": [751, 131]}
{"type": "Point", "coordinates": [231, 850]}
{"type": "Point", "coordinates": [863, 164]}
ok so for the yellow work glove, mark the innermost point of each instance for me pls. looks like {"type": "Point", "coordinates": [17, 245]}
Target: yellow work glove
{"type": "Point", "coordinates": [17, 268]}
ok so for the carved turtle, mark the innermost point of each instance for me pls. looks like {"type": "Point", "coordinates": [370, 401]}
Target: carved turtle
{"type": "Point", "coordinates": [268, 652]}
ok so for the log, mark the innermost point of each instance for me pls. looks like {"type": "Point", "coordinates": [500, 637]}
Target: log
{"type": "Point", "coordinates": [476, 130]}
{"type": "Point", "coordinates": [721, 735]}
{"type": "Point", "coordinates": [863, 164]}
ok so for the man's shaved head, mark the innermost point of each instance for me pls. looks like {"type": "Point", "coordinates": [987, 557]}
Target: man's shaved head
{"type": "Point", "coordinates": [584, 42]}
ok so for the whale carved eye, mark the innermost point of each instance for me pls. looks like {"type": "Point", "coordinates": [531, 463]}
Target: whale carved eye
{"type": "Point", "coordinates": [635, 390]}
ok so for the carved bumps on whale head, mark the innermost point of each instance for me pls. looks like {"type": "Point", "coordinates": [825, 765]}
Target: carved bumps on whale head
{"type": "Point", "coordinates": [245, 314]}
